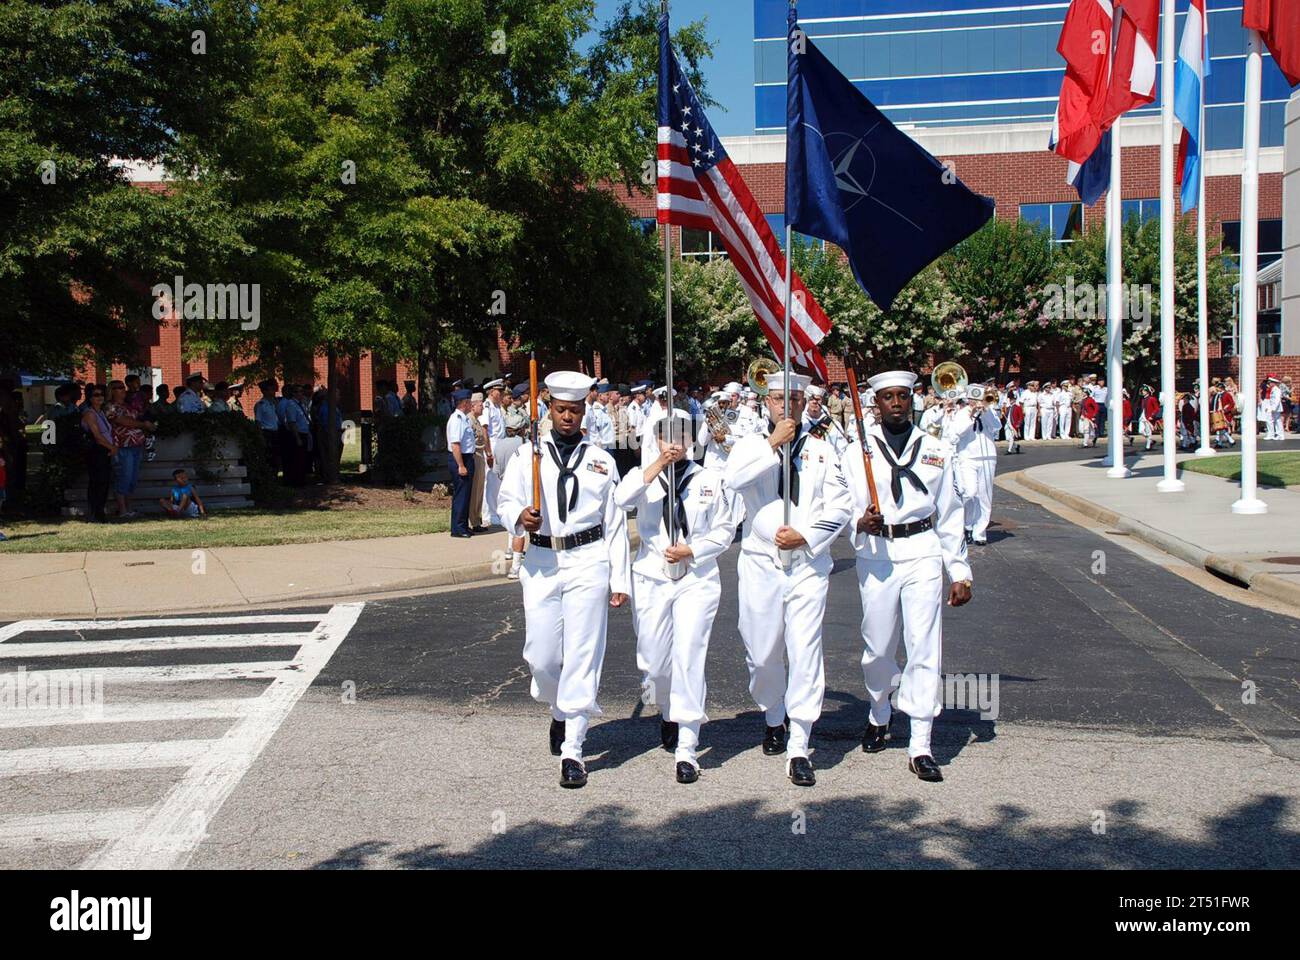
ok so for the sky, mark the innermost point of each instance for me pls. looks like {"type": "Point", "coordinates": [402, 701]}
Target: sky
{"type": "Point", "coordinates": [730, 73]}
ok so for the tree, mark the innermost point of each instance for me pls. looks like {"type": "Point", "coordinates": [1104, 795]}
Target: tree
{"type": "Point", "coordinates": [998, 275]}
{"type": "Point", "coordinates": [1081, 319]}
{"type": "Point", "coordinates": [86, 83]}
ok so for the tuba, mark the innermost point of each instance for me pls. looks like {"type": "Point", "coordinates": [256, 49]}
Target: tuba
{"type": "Point", "coordinates": [758, 373]}
{"type": "Point", "coordinates": [949, 380]}
{"type": "Point", "coordinates": [718, 423]}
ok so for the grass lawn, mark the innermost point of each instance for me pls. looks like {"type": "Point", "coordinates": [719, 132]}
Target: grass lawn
{"type": "Point", "coordinates": [225, 528]}
{"type": "Point", "coordinates": [1275, 469]}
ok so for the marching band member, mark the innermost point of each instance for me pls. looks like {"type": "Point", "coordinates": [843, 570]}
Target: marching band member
{"type": "Point", "coordinates": [977, 452]}
{"type": "Point", "coordinates": [1148, 414]}
{"type": "Point", "coordinates": [1029, 404]}
{"type": "Point", "coordinates": [576, 567]}
{"type": "Point", "coordinates": [784, 571]}
{"type": "Point", "coordinates": [903, 550]}
{"type": "Point", "coordinates": [674, 609]}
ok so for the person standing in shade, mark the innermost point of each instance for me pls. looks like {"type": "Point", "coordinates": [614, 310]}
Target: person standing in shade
{"type": "Point", "coordinates": [460, 462]}
{"type": "Point", "coordinates": [577, 567]}
{"type": "Point", "coordinates": [904, 547]}
{"type": "Point", "coordinates": [268, 421]}
{"type": "Point", "coordinates": [100, 452]}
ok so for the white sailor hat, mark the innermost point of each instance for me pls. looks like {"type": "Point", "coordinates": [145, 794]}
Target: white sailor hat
{"type": "Point", "coordinates": [638, 388]}
{"type": "Point", "coordinates": [569, 385]}
{"type": "Point", "coordinates": [893, 378]}
{"type": "Point", "coordinates": [814, 392]}
{"type": "Point", "coordinates": [732, 387]}
{"type": "Point", "coordinates": [494, 384]}
{"type": "Point", "coordinates": [798, 382]}
{"type": "Point", "coordinates": [663, 392]}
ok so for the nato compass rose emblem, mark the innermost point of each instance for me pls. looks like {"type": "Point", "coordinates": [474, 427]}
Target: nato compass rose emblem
{"type": "Point", "coordinates": [856, 170]}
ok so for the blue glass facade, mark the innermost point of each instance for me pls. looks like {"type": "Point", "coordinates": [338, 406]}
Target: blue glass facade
{"type": "Point", "coordinates": [945, 62]}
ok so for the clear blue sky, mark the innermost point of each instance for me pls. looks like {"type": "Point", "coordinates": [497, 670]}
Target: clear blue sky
{"type": "Point", "coordinates": [730, 73]}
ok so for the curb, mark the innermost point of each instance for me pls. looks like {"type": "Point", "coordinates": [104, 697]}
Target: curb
{"type": "Point", "coordinates": [468, 575]}
{"type": "Point", "coordinates": [1252, 576]}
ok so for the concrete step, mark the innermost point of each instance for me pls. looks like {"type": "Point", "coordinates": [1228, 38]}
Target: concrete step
{"type": "Point", "coordinates": [153, 491]}
{"type": "Point", "coordinates": [162, 470]}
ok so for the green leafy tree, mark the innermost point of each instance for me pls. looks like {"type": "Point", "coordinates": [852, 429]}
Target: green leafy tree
{"type": "Point", "coordinates": [1082, 268]}
{"type": "Point", "coordinates": [998, 275]}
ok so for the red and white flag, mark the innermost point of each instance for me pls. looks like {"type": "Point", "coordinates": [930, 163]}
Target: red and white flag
{"type": "Point", "coordinates": [700, 188]}
{"type": "Point", "coordinates": [1085, 44]}
{"type": "Point", "coordinates": [1278, 23]}
{"type": "Point", "coordinates": [1133, 79]}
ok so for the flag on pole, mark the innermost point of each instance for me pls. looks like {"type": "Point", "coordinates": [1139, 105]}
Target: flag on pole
{"type": "Point", "coordinates": [700, 188]}
{"type": "Point", "coordinates": [1189, 88]}
{"type": "Point", "coordinates": [1278, 23]}
{"type": "Point", "coordinates": [856, 180]}
{"type": "Point", "coordinates": [1092, 177]}
{"type": "Point", "coordinates": [1085, 44]}
{"type": "Point", "coordinates": [1133, 77]}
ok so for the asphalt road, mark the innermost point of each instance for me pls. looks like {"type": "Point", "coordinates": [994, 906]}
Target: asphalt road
{"type": "Point", "coordinates": [1140, 721]}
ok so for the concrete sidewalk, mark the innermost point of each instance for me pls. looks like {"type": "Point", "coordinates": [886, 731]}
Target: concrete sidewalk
{"type": "Point", "coordinates": [143, 582]}
{"type": "Point", "coordinates": [1198, 525]}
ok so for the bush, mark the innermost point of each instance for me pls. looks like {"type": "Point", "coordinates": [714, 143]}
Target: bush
{"type": "Point", "coordinates": [400, 460]}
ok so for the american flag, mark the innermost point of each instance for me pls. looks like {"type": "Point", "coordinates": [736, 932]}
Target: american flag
{"type": "Point", "coordinates": [700, 188]}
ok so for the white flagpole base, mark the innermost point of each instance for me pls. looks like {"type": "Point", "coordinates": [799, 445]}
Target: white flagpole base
{"type": "Point", "coordinates": [1206, 452]}
{"type": "Point", "coordinates": [1119, 473]}
{"type": "Point", "coordinates": [675, 571]}
{"type": "Point", "coordinates": [1250, 507]}
{"type": "Point", "coordinates": [1171, 486]}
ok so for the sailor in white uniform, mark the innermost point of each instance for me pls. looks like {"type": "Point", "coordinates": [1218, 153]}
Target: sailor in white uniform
{"type": "Point", "coordinates": [816, 415]}
{"type": "Point", "coordinates": [903, 550]}
{"type": "Point", "coordinates": [784, 570]}
{"type": "Point", "coordinates": [576, 568]}
{"type": "Point", "coordinates": [1029, 404]}
{"type": "Point", "coordinates": [676, 586]}
{"type": "Point", "coordinates": [975, 433]}
{"type": "Point", "coordinates": [493, 419]}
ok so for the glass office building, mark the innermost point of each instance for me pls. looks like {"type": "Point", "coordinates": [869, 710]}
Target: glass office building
{"type": "Point", "coordinates": [944, 62]}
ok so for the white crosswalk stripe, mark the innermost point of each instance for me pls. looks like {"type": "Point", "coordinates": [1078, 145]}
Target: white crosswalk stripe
{"type": "Point", "coordinates": [166, 833]}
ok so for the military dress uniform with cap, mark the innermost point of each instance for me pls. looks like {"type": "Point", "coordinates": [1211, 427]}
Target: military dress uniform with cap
{"type": "Point", "coordinates": [578, 558]}
{"type": "Point", "coordinates": [673, 611]}
{"type": "Point", "coordinates": [975, 439]}
{"type": "Point", "coordinates": [782, 607]}
{"type": "Point", "coordinates": [460, 433]}
{"type": "Point", "coordinates": [901, 572]}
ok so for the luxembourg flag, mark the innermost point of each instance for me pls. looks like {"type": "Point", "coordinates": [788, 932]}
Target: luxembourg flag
{"type": "Point", "coordinates": [1189, 86]}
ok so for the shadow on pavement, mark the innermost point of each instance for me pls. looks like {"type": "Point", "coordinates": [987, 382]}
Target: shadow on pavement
{"type": "Point", "coordinates": [861, 832]}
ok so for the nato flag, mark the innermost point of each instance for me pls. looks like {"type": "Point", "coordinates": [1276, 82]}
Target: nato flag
{"type": "Point", "coordinates": [855, 180]}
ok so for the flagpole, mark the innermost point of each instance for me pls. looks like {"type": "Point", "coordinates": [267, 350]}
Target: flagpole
{"type": "Point", "coordinates": [785, 347]}
{"type": "Point", "coordinates": [1248, 344]}
{"type": "Point", "coordinates": [1202, 297]}
{"type": "Point", "coordinates": [1168, 370]}
{"type": "Point", "coordinates": [1115, 308]}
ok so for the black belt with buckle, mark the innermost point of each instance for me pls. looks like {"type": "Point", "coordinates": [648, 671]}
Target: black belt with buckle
{"type": "Point", "coordinates": [571, 542]}
{"type": "Point", "coordinates": [901, 531]}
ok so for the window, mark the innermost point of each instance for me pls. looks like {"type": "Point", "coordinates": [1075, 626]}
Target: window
{"type": "Point", "coordinates": [1064, 221]}
{"type": "Point", "coordinates": [1270, 240]}
{"type": "Point", "coordinates": [777, 222]}
{"type": "Point", "coordinates": [1144, 210]}
{"type": "Point", "coordinates": [701, 245]}
{"type": "Point", "coordinates": [1269, 330]}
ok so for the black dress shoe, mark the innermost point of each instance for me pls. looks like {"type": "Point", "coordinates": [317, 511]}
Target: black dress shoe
{"type": "Point", "coordinates": [774, 741]}
{"type": "Point", "coordinates": [801, 772]}
{"type": "Point", "coordinates": [873, 741]}
{"type": "Point", "coordinates": [925, 768]}
{"type": "Point", "coordinates": [478, 529]}
{"type": "Point", "coordinates": [557, 737]}
{"type": "Point", "coordinates": [980, 543]}
{"type": "Point", "coordinates": [463, 536]}
{"type": "Point", "coordinates": [668, 734]}
{"type": "Point", "coordinates": [687, 772]}
{"type": "Point", "coordinates": [572, 775]}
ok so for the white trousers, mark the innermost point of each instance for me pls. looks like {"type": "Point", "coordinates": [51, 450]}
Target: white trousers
{"type": "Point", "coordinates": [673, 623]}
{"type": "Point", "coordinates": [567, 612]}
{"type": "Point", "coordinates": [491, 487]}
{"type": "Point", "coordinates": [781, 618]}
{"type": "Point", "coordinates": [1274, 425]}
{"type": "Point", "coordinates": [1049, 424]}
{"type": "Point", "coordinates": [1031, 422]}
{"type": "Point", "coordinates": [913, 591]}
{"type": "Point", "coordinates": [979, 494]}
{"type": "Point", "coordinates": [1067, 422]}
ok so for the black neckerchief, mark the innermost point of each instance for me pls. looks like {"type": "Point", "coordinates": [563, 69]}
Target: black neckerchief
{"type": "Point", "coordinates": [900, 470]}
{"type": "Point", "coordinates": [794, 469]}
{"type": "Point", "coordinates": [897, 438]}
{"type": "Point", "coordinates": [562, 449]}
{"type": "Point", "coordinates": [683, 480]}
